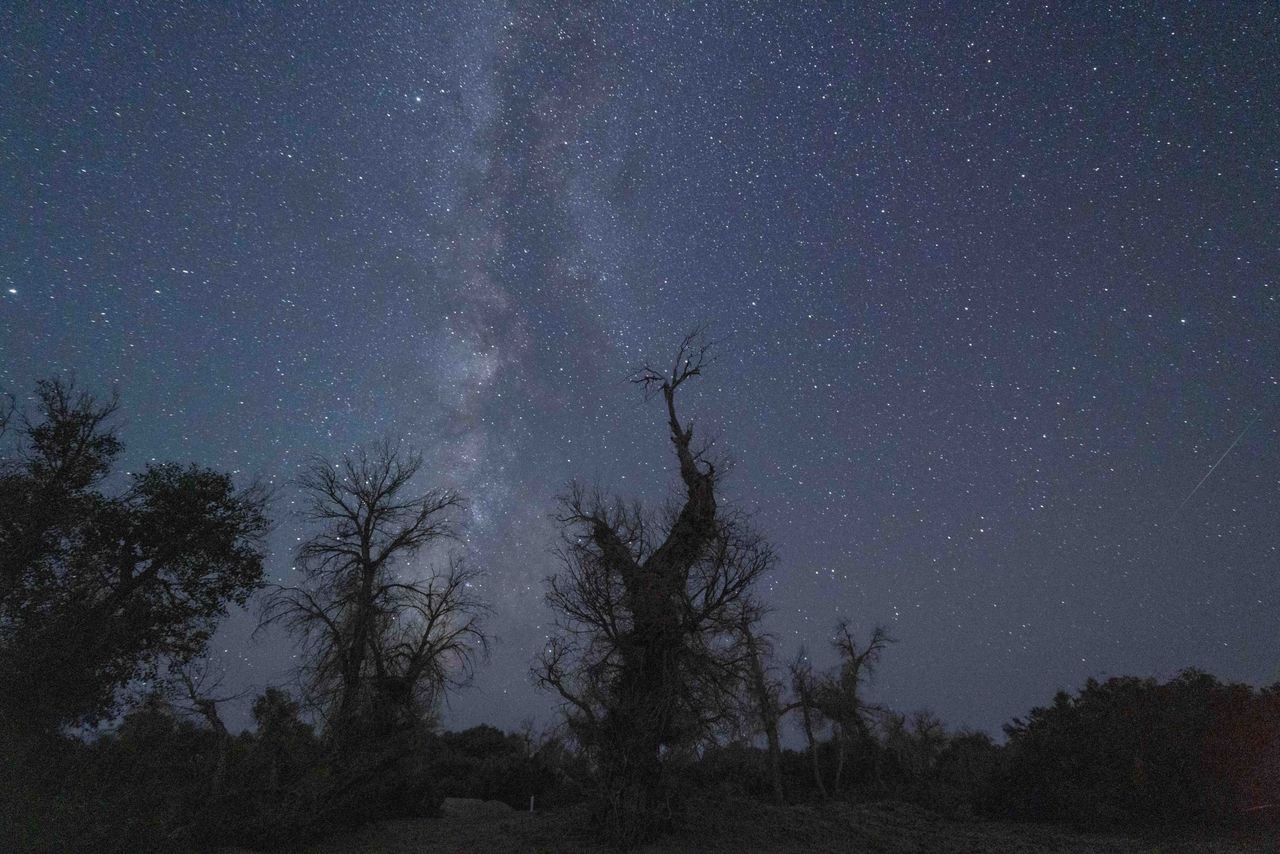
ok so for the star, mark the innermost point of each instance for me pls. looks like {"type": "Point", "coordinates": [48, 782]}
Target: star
{"type": "Point", "coordinates": [912, 326]}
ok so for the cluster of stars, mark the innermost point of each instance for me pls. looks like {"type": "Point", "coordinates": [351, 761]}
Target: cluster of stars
{"type": "Point", "coordinates": [994, 289]}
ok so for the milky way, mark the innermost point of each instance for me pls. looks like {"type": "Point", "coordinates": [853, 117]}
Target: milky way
{"type": "Point", "coordinates": [995, 290]}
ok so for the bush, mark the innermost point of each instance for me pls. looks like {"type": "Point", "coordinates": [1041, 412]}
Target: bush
{"type": "Point", "coordinates": [1135, 751]}
{"type": "Point", "coordinates": [483, 762]}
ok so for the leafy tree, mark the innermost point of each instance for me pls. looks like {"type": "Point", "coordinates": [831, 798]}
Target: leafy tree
{"type": "Point", "coordinates": [98, 589]}
{"type": "Point", "coordinates": [915, 743]}
{"type": "Point", "coordinates": [963, 773]}
{"type": "Point", "coordinates": [483, 762]}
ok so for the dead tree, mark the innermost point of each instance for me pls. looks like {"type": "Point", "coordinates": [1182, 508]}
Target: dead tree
{"type": "Point", "coordinates": [839, 696]}
{"type": "Point", "coordinates": [804, 685]}
{"type": "Point", "coordinates": [914, 742]}
{"type": "Point", "coordinates": [383, 640]}
{"type": "Point", "coordinates": [191, 681]}
{"type": "Point", "coordinates": [649, 654]}
{"type": "Point", "coordinates": [766, 695]}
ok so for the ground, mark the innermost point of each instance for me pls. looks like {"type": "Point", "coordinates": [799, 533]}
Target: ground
{"type": "Point", "coordinates": [884, 827]}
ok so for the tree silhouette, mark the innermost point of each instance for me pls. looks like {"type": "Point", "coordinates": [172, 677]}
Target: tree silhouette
{"type": "Point", "coordinates": [839, 695]}
{"type": "Point", "coordinates": [766, 694]}
{"type": "Point", "coordinates": [1132, 750]}
{"type": "Point", "coordinates": [284, 741]}
{"type": "Point", "coordinates": [384, 640]}
{"type": "Point", "coordinates": [650, 652]}
{"type": "Point", "coordinates": [195, 684]}
{"type": "Point", "coordinates": [835, 698]}
{"type": "Point", "coordinates": [804, 687]}
{"type": "Point", "coordinates": [98, 590]}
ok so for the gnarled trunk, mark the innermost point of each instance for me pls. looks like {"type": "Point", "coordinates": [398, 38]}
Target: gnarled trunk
{"type": "Point", "coordinates": [806, 717]}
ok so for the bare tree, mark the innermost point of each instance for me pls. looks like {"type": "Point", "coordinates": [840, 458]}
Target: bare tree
{"type": "Point", "coordinates": [196, 685]}
{"type": "Point", "coordinates": [915, 742]}
{"type": "Point", "coordinates": [384, 641]}
{"type": "Point", "coordinates": [804, 686]}
{"type": "Point", "coordinates": [649, 654]}
{"type": "Point", "coordinates": [8, 406]}
{"type": "Point", "coordinates": [766, 694]}
{"type": "Point", "coordinates": [836, 698]}
{"type": "Point", "coordinates": [840, 697]}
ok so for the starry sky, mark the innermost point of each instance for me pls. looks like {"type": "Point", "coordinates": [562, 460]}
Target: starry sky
{"type": "Point", "coordinates": [996, 289]}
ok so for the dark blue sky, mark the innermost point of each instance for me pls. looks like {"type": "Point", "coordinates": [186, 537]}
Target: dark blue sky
{"type": "Point", "coordinates": [997, 289]}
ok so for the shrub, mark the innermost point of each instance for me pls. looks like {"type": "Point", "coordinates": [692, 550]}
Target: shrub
{"type": "Point", "coordinates": [1132, 750]}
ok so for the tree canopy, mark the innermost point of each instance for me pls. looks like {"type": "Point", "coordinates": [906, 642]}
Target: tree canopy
{"type": "Point", "coordinates": [99, 587]}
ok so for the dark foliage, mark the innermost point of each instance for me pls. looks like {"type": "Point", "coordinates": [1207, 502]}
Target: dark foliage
{"type": "Point", "coordinates": [98, 589]}
{"type": "Point", "coordinates": [148, 786]}
{"type": "Point", "coordinates": [485, 763]}
{"type": "Point", "coordinates": [1132, 750]}
{"type": "Point", "coordinates": [907, 759]}
{"type": "Point", "coordinates": [1125, 753]}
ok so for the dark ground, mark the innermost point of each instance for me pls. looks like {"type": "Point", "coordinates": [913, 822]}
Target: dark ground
{"type": "Point", "coordinates": [889, 827]}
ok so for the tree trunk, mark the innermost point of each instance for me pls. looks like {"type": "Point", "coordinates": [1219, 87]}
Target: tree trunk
{"type": "Point", "coordinates": [806, 716]}
{"type": "Point", "coordinates": [775, 758]}
{"type": "Point", "coordinates": [768, 714]}
{"type": "Point", "coordinates": [837, 733]}
{"type": "Point", "coordinates": [354, 658]}
{"type": "Point", "coordinates": [209, 710]}
{"type": "Point", "coordinates": [651, 661]}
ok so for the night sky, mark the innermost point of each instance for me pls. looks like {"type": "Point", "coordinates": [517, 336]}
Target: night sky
{"type": "Point", "coordinates": [996, 290]}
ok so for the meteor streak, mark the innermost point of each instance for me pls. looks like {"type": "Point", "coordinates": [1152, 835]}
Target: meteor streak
{"type": "Point", "coordinates": [1239, 436]}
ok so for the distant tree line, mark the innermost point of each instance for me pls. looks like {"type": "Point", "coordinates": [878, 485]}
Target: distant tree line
{"type": "Point", "coordinates": [112, 584]}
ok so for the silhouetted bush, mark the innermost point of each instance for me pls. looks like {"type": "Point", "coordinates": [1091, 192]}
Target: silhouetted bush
{"type": "Point", "coordinates": [152, 785]}
{"type": "Point", "coordinates": [134, 790]}
{"type": "Point", "coordinates": [737, 769]}
{"type": "Point", "coordinates": [483, 762]}
{"type": "Point", "coordinates": [741, 770]}
{"type": "Point", "coordinates": [1132, 750]}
